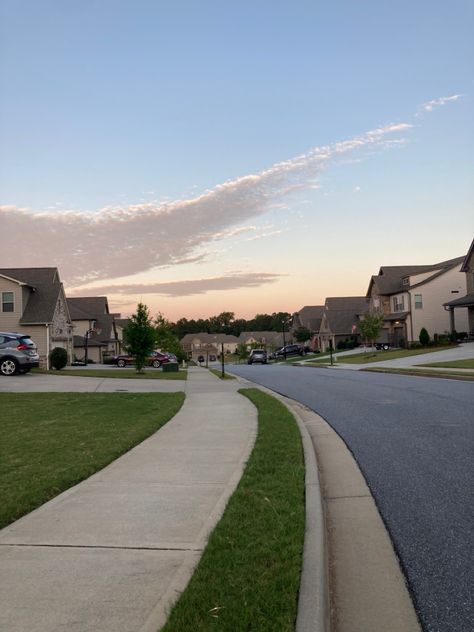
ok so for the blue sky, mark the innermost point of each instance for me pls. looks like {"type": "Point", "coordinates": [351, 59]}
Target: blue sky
{"type": "Point", "coordinates": [128, 129]}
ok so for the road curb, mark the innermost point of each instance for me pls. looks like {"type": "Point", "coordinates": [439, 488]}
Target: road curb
{"type": "Point", "coordinates": [313, 600]}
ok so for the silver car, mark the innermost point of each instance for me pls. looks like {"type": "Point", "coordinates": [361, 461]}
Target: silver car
{"type": "Point", "coordinates": [257, 355]}
{"type": "Point", "coordinates": [18, 353]}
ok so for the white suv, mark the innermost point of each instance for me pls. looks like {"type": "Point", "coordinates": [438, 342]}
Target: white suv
{"type": "Point", "coordinates": [18, 353]}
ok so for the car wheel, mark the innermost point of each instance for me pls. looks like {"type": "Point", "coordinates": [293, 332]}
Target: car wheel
{"type": "Point", "coordinates": [121, 363]}
{"type": "Point", "coordinates": [385, 347]}
{"type": "Point", "coordinates": [156, 364]}
{"type": "Point", "coordinates": [8, 366]}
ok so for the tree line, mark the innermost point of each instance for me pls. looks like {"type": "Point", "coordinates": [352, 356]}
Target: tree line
{"type": "Point", "coordinates": [227, 323]}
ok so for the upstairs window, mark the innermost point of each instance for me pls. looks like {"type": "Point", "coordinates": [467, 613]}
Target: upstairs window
{"type": "Point", "coordinates": [8, 302]}
{"type": "Point", "coordinates": [418, 301]}
{"type": "Point", "coordinates": [398, 304]}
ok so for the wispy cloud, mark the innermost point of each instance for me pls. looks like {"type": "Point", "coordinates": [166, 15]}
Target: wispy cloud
{"type": "Point", "coordinates": [120, 241]}
{"type": "Point", "coordinates": [189, 287]}
{"type": "Point", "coordinates": [429, 106]}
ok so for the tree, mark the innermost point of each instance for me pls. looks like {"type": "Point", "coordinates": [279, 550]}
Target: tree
{"type": "Point", "coordinates": [140, 336]}
{"type": "Point", "coordinates": [371, 326]}
{"type": "Point", "coordinates": [302, 334]}
{"type": "Point", "coordinates": [165, 338]}
{"type": "Point", "coordinates": [424, 337]}
{"type": "Point", "coordinates": [242, 351]}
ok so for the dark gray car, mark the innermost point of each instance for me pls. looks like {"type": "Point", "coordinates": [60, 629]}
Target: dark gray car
{"type": "Point", "coordinates": [18, 353]}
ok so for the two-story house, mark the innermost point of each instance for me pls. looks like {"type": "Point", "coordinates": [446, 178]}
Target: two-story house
{"type": "Point", "coordinates": [412, 297]}
{"type": "Point", "coordinates": [33, 302]}
{"type": "Point", "coordinates": [340, 320]}
{"type": "Point", "coordinates": [456, 306]}
{"type": "Point", "coordinates": [94, 328]}
{"type": "Point", "coordinates": [202, 344]}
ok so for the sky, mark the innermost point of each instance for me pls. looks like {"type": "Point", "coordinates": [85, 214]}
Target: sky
{"type": "Point", "coordinates": [252, 156]}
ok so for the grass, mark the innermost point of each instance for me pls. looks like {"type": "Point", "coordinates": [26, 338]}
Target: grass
{"type": "Point", "coordinates": [368, 357]}
{"type": "Point", "coordinates": [128, 374]}
{"type": "Point", "coordinates": [452, 375]}
{"type": "Point", "coordinates": [454, 364]}
{"type": "Point", "coordinates": [218, 373]}
{"type": "Point", "coordinates": [51, 441]}
{"type": "Point", "coordinates": [248, 576]}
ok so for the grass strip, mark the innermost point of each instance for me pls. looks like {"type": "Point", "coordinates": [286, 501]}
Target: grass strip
{"type": "Point", "coordinates": [382, 356]}
{"type": "Point", "coordinates": [248, 576]}
{"type": "Point", "coordinates": [128, 374]}
{"type": "Point", "coordinates": [51, 441]}
{"type": "Point", "coordinates": [451, 375]}
{"type": "Point", "coordinates": [454, 364]}
{"type": "Point", "coordinates": [218, 373]}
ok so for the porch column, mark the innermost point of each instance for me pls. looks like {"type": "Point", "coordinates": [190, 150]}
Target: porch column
{"type": "Point", "coordinates": [452, 324]}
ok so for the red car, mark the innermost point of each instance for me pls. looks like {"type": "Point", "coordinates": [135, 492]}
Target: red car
{"type": "Point", "coordinates": [155, 359]}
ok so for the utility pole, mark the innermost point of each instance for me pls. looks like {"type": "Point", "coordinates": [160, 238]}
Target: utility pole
{"type": "Point", "coordinates": [222, 359]}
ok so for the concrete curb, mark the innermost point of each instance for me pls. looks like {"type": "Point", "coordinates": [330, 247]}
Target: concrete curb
{"type": "Point", "coordinates": [313, 601]}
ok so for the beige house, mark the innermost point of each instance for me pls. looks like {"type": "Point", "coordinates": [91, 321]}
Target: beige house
{"type": "Point", "coordinates": [204, 344]}
{"type": "Point", "coordinates": [95, 333]}
{"type": "Point", "coordinates": [412, 297]}
{"type": "Point", "coordinates": [458, 305]}
{"type": "Point", "coordinates": [33, 302]}
{"type": "Point", "coordinates": [309, 317]}
{"type": "Point", "coordinates": [269, 340]}
{"type": "Point", "coordinates": [340, 319]}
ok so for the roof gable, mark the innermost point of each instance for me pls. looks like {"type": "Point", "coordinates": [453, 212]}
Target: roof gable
{"type": "Point", "coordinates": [45, 290]}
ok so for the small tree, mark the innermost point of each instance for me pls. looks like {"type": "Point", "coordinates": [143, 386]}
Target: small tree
{"type": "Point", "coordinates": [58, 358]}
{"type": "Point", "coordinates": [242, 352]}
{"type": "Point", "coordinates": [140, 336]}
{"type": "Point", "coordinates": [371, 326]}
{"type": "Point", "coordinates": [302, 334]}
{"type": "Point", "coordinates": [165, 339]}
{"type": "Point", "coordinates": [424, 337]}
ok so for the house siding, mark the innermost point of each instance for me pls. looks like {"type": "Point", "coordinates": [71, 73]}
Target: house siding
{"type": "Point", "coordinates": [433, 317]}
{"type": "Point", "coordinates": [9, 320]}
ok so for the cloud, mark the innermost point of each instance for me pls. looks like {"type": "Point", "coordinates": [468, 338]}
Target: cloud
{"type": "Point", "coordinates": [120, 241]}
{"type": "Point", "coordinates": [429, 106]}
{"type": "Point", "coordinates": [189, 287]}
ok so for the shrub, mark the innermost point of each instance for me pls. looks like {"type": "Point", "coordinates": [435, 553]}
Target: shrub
{"type": "Point", "coordinates": [424, 337]}
{"type": "Point", "coordinates": [435, 339]}
{"type": "Point", "coordinates": [58, 358]}
{"type": "Point", "coordinates": [453, 336]}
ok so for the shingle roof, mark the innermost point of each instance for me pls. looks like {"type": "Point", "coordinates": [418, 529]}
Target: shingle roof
{"type": "Point", "coordinates": [464, 301]}
{"type": "Point", "coordinates": [209, 338]}
{"type": "Point", "coordinates": [310, 317]}
{"type": "Point", "coordinates": [273, 337]}
{"type": "Point", "coordinates": [390, 278]}
{"type": "Point", "coordinates": [93, 308]}
{"type": "Point", "coordinates": [341, 321]}
{"type": "Point", "coordinates": [46, 287]}
{"type": "Point", "coordinates": [356, 304]}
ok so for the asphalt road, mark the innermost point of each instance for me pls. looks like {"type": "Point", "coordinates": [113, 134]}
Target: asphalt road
{"type": "Point", "coordinates": [413, 438]}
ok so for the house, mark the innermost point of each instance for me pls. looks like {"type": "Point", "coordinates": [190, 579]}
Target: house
{"type": "Point", "coordinates": [33, 302]}
{"type": "Point", "coordinates": [309, 317]}
{"type": "Point", "coordinates": [465, 302]}
{"type": "Point", "coordinates": [269, 340]}
{"type": "Point", "coordinates": [202, 344]}
{"type": "Point", "coordinates": [412, 297]}
{"type": "Point", "coordinates": [339, 322]}
{"type": "Point", "coordinates": [95, 333]}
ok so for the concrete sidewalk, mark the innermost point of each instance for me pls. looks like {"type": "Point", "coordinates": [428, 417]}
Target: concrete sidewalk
{"type": "Point", "coordinates": [113, 553]}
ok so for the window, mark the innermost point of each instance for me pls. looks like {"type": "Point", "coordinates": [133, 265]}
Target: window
{"type": "Point", "coordinates": [418, 301]}
{"type": "Point", "coordinates": [398, 304]}
{"type": "Point", "coordinates": [406, 281]}
{"type": "Point", "coordinates": [8, 304]}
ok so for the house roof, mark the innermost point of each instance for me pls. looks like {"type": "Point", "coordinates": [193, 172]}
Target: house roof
{"type": "Point", "coordinates": [465, 264]}
{"type": "Point", "coordinates": [45, 286]}
{"type": "Point", "coordinates": [209, 338]}
{"type": "Point", "coordinates": [93, 308]}
{"type": "Point", "coordinates": [464, 301]}
{"type": "Point", "coordinates": [340, 322]}
{"type": "Point", "coordinates": [309, 316]}
{"type": "Point", "coordinates": [356, 304]}
{"type": "Point", "coordinates": [390, 278]}
{"type": "Point", "coordinates": [274, 337]}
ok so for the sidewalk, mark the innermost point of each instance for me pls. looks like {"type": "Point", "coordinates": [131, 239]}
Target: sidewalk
{"type": "Point", "coordinates": [112, 553]}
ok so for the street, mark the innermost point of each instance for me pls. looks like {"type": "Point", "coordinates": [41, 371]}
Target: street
{"type": "Point", "coordinates": [413, 439]}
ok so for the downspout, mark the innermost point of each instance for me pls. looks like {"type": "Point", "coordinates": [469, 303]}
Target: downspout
{"type": "Point", "coordinates": [47, 346]}
{"type": "Point", "coordinates": [411, 317]}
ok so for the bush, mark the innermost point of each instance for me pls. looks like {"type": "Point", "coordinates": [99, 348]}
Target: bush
{"type": "Point", "coordinates": [453, 336]}
{"type": "Point", "coordinates": [58, 358]}
{"type": "Point", "coordinates": [424, 337]}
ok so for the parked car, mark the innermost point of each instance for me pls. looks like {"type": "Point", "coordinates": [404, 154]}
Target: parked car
{"type": "Point", "coordinates": [18, 353]}
{"type": "Point", "coordinates": [382, 345]}
{"type": "Point", "coordinates": [289, 350]}
{"type": "Point", "coordinates": [155, 359]}
{"type": "Point", "coordinates": [257, 355]}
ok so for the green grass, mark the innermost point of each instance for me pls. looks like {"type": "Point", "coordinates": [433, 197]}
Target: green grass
{"type": "Point", "coordinates": [248, 577]}
{"type": "Point", "coordinates": [454, 364]}
{"type": "Point", "coordinates": [128, 374]}
{"type": "Point", "coordinates": [368, 357]}
{"type": "Point", "coordinates": [452, 375]}
{"type": "Point", "coordinates": [218, 373]}
{"type": "Point", "coordinates": [51, 441]}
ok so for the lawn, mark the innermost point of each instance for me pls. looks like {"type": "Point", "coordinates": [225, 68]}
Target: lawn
{"type": "Point", "coordinates": [451, 375]}
{"type": "Point", "coordinates": [248, 576]}
{"type": "Point", "coordinates": [51, 441]}
{"type": "Point", "coordinates": [129, 374]}
{"type": "Point", "coordinates": [453, 364]}
{"type": "Point", "coordinates": [370, 356]}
